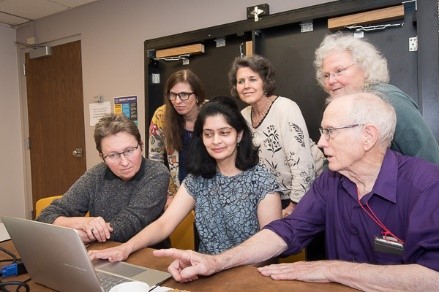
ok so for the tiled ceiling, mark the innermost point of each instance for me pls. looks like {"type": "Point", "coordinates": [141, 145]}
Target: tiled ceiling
{"type": "Point", "coordinates": [16, 12]}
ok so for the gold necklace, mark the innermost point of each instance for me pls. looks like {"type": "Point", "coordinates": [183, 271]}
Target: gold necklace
{"type": "Point", "coordinates": [257, 122]}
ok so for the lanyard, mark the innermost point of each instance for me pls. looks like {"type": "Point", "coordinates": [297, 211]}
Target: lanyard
{"type": "Point", "coordinates": [386, 232]}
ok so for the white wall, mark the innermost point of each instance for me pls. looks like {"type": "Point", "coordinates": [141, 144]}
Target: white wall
{"type": "Point", "coordinates": [112, 33]}
{"type": "Point", "coordinates": [12, 198]}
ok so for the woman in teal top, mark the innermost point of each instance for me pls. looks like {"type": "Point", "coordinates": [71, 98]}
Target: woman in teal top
{"type": "Point", "coordinates": [345, 64]}
{"type": "Point", "coordinates": [226, 207]}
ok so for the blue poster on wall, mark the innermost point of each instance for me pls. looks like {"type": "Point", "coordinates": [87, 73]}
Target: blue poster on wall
{"type": "Point", "coordinates": [126, 105]}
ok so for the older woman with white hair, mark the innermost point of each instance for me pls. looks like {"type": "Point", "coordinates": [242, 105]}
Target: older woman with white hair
{"type": "Point", "coordinates": [345, 64]}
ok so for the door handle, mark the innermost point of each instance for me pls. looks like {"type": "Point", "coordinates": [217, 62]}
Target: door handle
{"type": "Point", "coordinates": [77, 152]}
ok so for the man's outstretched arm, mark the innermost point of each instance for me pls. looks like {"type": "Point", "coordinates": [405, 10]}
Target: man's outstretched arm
{"type": "Point", "coordinates": [188, 265]}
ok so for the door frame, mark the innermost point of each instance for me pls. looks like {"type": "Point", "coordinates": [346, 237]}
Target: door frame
{"type": "Point", "coordinates": [29, 206]}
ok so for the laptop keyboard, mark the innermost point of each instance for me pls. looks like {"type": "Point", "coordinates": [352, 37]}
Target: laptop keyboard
{"type": "Point", "coordinates": [108, 281]}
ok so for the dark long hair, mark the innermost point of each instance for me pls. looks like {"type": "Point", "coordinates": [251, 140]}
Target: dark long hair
{"type": "Point", "coordinates": [247, 153]}
{"type": "Point", "coordinates": [174, 122]}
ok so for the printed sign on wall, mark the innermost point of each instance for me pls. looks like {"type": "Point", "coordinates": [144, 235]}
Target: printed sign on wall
{"type": "Point", "coordinates": [126, 105]}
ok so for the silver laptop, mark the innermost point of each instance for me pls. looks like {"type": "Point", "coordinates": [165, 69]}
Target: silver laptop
{"type": "Point", "coordinates": [55, 257]}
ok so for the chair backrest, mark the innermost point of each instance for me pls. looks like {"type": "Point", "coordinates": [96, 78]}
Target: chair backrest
{"type": "Point", "coordinates": [43, 203]}
{"type": "Point", "coordinates": [183, 235]}
{"type": "Point", "coordinates": [181, 238]}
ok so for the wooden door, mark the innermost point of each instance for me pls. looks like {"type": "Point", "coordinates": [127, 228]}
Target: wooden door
{"type": "Point", "coordinates": [56, 119]}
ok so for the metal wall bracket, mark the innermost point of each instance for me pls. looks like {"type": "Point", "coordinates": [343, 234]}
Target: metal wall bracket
{"type": "Point", "coordinates": [374, 27]}
{"type": "Point", "coordinates": [413, 44]}
{"type": "Point", "coordinates": [306, 26]}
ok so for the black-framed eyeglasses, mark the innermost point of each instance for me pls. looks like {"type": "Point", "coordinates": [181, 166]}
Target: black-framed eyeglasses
{"type": "Point", "coordinates": [182, 95]}
{"type": "Point", "coordinates": [115, 156]}
{"type": "Point", "coordinates": [337, 73]}
{"type": "Point", "coordinates": [327, 132]}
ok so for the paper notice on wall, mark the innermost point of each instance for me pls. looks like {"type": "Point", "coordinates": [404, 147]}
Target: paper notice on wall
{"type": "Point", "coordinates": [98, 110]}
{"type": "Point", "coordinates": [4, 235]}
{"type": "Point", "coordinates": [126, 105]}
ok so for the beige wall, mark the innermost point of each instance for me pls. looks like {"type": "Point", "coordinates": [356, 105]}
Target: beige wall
{"type": "Point", "coordinates": [112, 33]}
{"type": "Point", "coordinates": [11, 145]}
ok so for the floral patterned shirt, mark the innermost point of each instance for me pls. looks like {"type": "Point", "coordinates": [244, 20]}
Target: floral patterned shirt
{"type": "Point", "coordinates": [285, 147]}
{"type": "Point", "coordinates": [157, 148]}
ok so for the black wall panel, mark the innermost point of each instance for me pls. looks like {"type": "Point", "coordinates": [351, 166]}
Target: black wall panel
{"type": "Point", "coordinates": [279, 38]}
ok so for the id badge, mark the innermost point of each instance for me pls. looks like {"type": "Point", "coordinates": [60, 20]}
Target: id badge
{"type": "Point", "coordinates": [388, 244]}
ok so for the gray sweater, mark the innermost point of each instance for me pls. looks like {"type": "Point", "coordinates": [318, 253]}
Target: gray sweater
{"type": "Point", "coordinates": [128, 206]}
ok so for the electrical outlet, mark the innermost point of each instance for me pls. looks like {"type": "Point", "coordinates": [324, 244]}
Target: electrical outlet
{"type": "Point", "coordinates": [155, 78]}
{"type": "Point", "coordinates": [413, 44]}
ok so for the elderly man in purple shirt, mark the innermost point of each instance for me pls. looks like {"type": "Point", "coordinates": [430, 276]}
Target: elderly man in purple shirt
{"type": "Point", "coordinates": [377, 207]}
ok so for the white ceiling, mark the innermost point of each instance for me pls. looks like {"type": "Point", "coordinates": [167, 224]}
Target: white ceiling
{"type": "Point", "coordinates": [16, 12]}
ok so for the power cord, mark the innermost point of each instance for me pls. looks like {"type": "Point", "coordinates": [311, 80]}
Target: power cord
{"type": "Point", "coordinates": [14, 269]}
{"type": "Point", "coordinates": [19, 284]}
{"type": "Point", "coordinates": [13, 257]}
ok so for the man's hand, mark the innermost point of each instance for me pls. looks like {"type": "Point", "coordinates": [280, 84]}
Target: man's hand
{"type": "Point", "coordinates": [188, 265]}
{"type": "Point", "coordinates": [361, 276]}
{"type": "Point", "coordinates": [302, 271]}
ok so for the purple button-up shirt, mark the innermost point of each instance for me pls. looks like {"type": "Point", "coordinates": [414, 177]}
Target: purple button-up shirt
{"type": "Point", "coordinates": [405, 198]}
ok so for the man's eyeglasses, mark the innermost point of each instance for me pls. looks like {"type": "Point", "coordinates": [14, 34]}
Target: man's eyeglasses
{"type": "Point", "coordinates": [327, 132]}
{"type": "Point", "coordinates": [337, 73]}
{"type": "Point", "coordinates": [182, 95]}
{"type": "Point", "coordinates": [115, 156]}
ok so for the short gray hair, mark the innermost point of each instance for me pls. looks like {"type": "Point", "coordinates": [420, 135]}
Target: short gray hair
{"type": "Point", "coordinates": [369, 108]}
{"type": "Point", "coordinates": [365, 55]}
{"type": "Point", "coordinates": [111, 124]}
